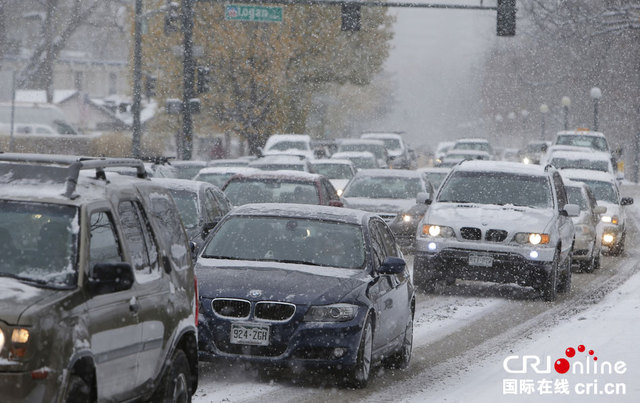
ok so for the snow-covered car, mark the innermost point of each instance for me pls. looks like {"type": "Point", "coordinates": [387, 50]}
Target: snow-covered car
{"type": "Point", "coordinates": [386, 191]}
{"type": "Point", "coordinates": [435, 175]}
{"type": "Point", "coordinates": [396, 147]}
{"type": "Point", "coordinates": [613, 223]}
{"type": "Point", "coordinates": [305, 286]}
{"type": "Point", "coordinates": [278, 162]}
{"type": "Point", "coordinates": [201, 206]}
{"type": "Point", "coordinates": [588, 240]}
{"type": "Point", "coordinates": [97, 288]}
{"type": "Point", "coordinates": [339, 172]}
{"type": "Point", "coordinates": [534, 151]}
{"type": "Point", "coordinates": [375, 147]}
{"type": "Point", "coordinates": [510, 154]}
{"type": "Point", "coordinates": [289, 143]}
{"type": "Point", "coordinates": [360, 159]}
{"type": "Point", "coordinates": [501, 222]}
{"type": "Point", "coordinates": [598, 161]}
{"type": "Point", "coordinates": [583, 138]}
{"type": "Point", "coordinates": [219, 175]}
{"type": "Point", "coordinates": [281, 187]}
{"type": "Point", "coordinates": [453, 157]}
{"type": "Point", "coordinates": [234, 162]}
{"type": "Point", "coordinates": [474, 144]}
{"type": "Point", "coordinates": [441, 150]}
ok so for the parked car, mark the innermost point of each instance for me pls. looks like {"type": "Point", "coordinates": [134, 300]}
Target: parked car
{"type": "Point", "coordinates": [219, 175]}
{"type": "Point", "coordinates": [307, 286]}
{"type": "Point", "coordinates": [396, 147]}
{"type": "Point", "coordinates": [498, 221]}
{"type": "Point", "coordinates": [187, 169]}
{"type": "Point", "coordinates": [605, 189]}
{"type": "Point", "coordinates": [386, 191]}
{"type": "Point", "coordinates": [289, 143]}
{"type": "Point", "coordinates": [91, 264]}
{"type": "Point", "coordinates": [278, 162]}
{"type": "Point", "coordinates": [281, 187]}
{"type": "Point", "coordinates": [339, 172]}
{"type": "Point", "coordinates": [200, 204]}
{"type": "Point", "coordinates": [360, 159]}
{"type": "Point", "coordinates": [588, 240]}
{"type": "Point", "coordinates": [375, 147]}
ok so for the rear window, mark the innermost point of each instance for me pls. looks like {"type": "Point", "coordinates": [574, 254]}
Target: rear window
{"type": "Point", "coordinates": [244, 191]}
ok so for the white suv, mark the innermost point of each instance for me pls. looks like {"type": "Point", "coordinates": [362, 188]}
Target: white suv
{"type": "Point", "coordinates": [501, 222]}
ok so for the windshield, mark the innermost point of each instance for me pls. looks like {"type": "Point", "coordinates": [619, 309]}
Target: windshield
{"type": "Point", "coordinates": [497, 188]}
{"type": "Point", "coordinates": [244, 191]}
{"type": "Point", "coordinates": [378, 151]}
{"type": "Point", "coordinates": [384, 187]}
{"type": "Point", "coordinates": [363, 162]}
{"type": "Point", "coordinates": [563, 163]}
{"type": "Point", "coordinates": [391, 144]}
{"type": "Point", "coordinates": [580, 140]}
{"type": "Point", "coordinates": [536, 148]}
{"type": "Point", "coordinates": [289, 145]}
{"type": "Point", "coordinates": [575, 196]}
{"type": "Point", "coordinates": [472, 146]}
{"type": "Point", "coordinates": [187, 203]}
{"type": "Point", "coordinates": [38, 243]}
{"type": "Point", "coordinates": [218, 179]}
{"type": "Point", "coordinates": [602, 190]}
{"type": "Point", "coordinates": [289, 240]}
{"type": "Point", "coordinates": [334, 171]}
{"type": "Point", "coordinates": [435, 178]}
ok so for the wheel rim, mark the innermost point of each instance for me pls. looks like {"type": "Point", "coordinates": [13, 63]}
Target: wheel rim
{"type": "Point", "coordinates": [180, 390]}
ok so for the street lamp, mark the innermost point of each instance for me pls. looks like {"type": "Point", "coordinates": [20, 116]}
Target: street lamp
{"type": "Point", "coordinates": [596, 94]}
{"type": "Point", "coordinates": [544, 109]}
{"type": "Point", "coordinates": [566, 103]}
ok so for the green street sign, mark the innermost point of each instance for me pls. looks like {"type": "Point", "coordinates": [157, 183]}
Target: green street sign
{"type": "Point", "coordinates": [238, 12]}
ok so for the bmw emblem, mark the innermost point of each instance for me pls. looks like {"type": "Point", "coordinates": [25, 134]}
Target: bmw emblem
{"type": "Point", "coordinates": [255, 293]}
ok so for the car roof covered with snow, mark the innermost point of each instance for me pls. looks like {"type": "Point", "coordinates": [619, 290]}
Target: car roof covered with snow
{"type": "Point", "coordinates": [228, 170]}
{"type": "Point", "coordinates": [433, 170]}
{"type": "Point", "coordinates": [389, 173]}
{"type": "Point", "coordinates": [503, 167]}
{"type": "Point", "coordinates": [282, 174]}
{"type": "Point", "coordinates": [580, 133]}
{"type": "Point", "coordinates": [311, 211]}
{"type": "Point", "coordinates": [331, 161]}
{"type": "Point", "coordinates": [181, 184]}
{"type": "Point", "coordinates": [352, 154]}
{"type": "Point", "coordinates": [582, 155]}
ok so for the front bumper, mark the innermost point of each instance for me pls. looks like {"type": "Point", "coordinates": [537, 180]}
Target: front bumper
{"type": "Point", "coordinates": [293, 343]}
{"type": "Point", "coordinates": [438, 258]}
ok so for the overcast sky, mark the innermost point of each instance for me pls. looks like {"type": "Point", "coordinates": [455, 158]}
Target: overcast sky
{"type": "Point", "coordinates": [435, 62]}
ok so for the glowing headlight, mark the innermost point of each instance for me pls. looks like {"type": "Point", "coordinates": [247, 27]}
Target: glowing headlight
{"type": "Point", "coordinates": [526, 160]}
{"type": "Point", "coordinates": [437, 231]}
{"type": "Point", "coordinates": [608, 238]}
{"type": "Point", "coordinates": [20, 336]}
{"type": "Point", "coordinates": [532, 237]}
{"type": "Point", "coordinates": [610, 219]}
{"type": "Point", "coordinates": [331, 313]}
{"type": "Point", "coordinates": [339, 192]}
{"type": "Point", "coordinates": [406, 218]}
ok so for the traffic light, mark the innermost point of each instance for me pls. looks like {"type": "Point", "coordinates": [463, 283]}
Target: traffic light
{"type": "Point", "coordinates": [350, 17]}
{"type": "Point", "coordinates": [506, 21]}
{"type": "Point", "coordinates": [203, 79]}
{"type": "Point", "coordinates": [171, 18]}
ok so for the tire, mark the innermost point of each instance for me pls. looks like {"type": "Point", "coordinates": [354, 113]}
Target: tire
{"type": "Point", "coordinates": [564, 285]}
{"type": "Point", "coordinates": [78, 391]}
{"type": "Point", "coordinates": [619, 247]}
{"type": "Point", "coordinates": [549, 289]}
{"type": "Point", "coordinates": [176, 383]}
{"type": "Point", "coordinates": [402, 358]}
{"type": "Point", "coordinates": [357, 376]}
{"type": "Point", "coordinates": [590, 265]}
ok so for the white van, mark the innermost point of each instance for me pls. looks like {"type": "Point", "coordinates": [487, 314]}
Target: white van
{"type": "Point", "coordinates": [34, 119]}
{"type": "Point", "coordinates": [298, 144]}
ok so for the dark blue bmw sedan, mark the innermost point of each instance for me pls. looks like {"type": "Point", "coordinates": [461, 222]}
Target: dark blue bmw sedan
{"type": "Point", "coordinates": [304, 285]}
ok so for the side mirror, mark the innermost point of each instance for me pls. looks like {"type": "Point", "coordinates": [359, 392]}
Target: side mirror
{"type": "Point", "coordinates": [336, 203]}
{"type": "Point", "coordinates": [106, 278]}
{"type": "Point", "coordinates": [570, 210]}
{"type": "Point", "coordinates": [423, 198]}
{"type": "Point", "coordinates": [392, 265]}
{"type": "Point", "coordinates": [599, 209]}
{"type": "Point", "coordinates": [625, 201]}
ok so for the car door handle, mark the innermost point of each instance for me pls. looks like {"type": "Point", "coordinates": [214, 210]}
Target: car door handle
{"type": "Point", "coordinates": [133, 305]}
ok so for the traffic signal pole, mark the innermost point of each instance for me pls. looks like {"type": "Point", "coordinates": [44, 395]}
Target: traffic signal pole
{"type": "Point", "coordinates": [189, 80]}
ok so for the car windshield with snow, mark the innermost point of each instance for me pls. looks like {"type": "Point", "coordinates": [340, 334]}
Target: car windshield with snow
{"type": "Point", "coordinates": [305, 286]}
{"type": "Point", "coordinates": [501, 222]}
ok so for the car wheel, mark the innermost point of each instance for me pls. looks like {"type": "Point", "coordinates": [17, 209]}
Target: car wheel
{"type": "Point", "coordinates": [401, 359]}
{"type": "Point", "coordinates": [564, 286]}
{"type": "Point", "coordinates": [590, 265]}
{"type": "Point", "coordinates": [176, 383]}
{"type": "Point", "coordinates": [78, 390]}
{"type": "Point", "coordinates": [549, 289]}
{"type": "Point", "coordinates": [619, 247]}
{"type": "Point", "coordinates": [358, 376]}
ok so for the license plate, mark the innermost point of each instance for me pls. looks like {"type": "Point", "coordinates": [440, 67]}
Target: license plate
{"type": "Point", "coordinates": [255, 335]}
{"type": "Point", "coordinates": [481, 260]}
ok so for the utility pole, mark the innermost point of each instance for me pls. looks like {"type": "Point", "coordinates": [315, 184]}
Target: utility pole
{"type": "Point", "coordinates": [189, 79]}
{"type": "Point", "coordinates": [137, 77]}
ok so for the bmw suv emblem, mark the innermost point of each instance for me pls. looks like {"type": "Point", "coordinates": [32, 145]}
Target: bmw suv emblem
{"type": "Point", "coordinates": [255, 293]}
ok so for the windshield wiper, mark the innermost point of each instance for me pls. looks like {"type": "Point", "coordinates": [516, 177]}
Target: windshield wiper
{"type": "Point", "coordinates": [454, 201]}
{"type": "Point", "coordinates": [223, 257]}
{"type": "Point", "coordinates": [296, 262]}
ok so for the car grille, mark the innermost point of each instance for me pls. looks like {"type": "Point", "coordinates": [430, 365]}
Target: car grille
{"type": "Point", "coordinates": [231, 308]}
{"type": "Point", "coordinates": [470, 233]}
{"type": "Point", "coordinates": [274, 311]}
{"type": "Point", "coordinates": [387, 217]}
{"type": "Point", "coordinates": [495, 235]}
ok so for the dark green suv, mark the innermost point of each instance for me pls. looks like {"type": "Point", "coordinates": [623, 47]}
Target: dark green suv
{"type": "Point", "coordinates": [97, 291]}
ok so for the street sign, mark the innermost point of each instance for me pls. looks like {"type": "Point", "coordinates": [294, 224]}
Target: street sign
{"type": "Point", "coordinates": [238, 12]}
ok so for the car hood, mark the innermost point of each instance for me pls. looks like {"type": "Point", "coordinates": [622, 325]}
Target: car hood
{"type": "Point", "coordinates": [489, 216]}
{"type": "Point", "coordinates": [294, 283]}
{"type": "Point", "coordinates": [378, 205]}
{"type": "Point", "coordinates": [16, 297]}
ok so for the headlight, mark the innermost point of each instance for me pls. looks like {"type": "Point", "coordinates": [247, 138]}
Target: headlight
{"type": "Point", "coordinates": [608, 239]}
{"type": "Point", "coordinates": [610, 219]}
{"type": "Point", "coordinates": [407, 217]}
{"type": "Point", "coordinates": [19, 339]}
{"type": "Point", "coordinates": [532, 237]}
{"type": "Point", "coordinates": [339, 192]}
{"type": "Point", "coordinates": [526, 160]}
{"type": "Point", "coordinates": [331, 313]}
{"type": "Point", "coordinates": [437, 231]}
